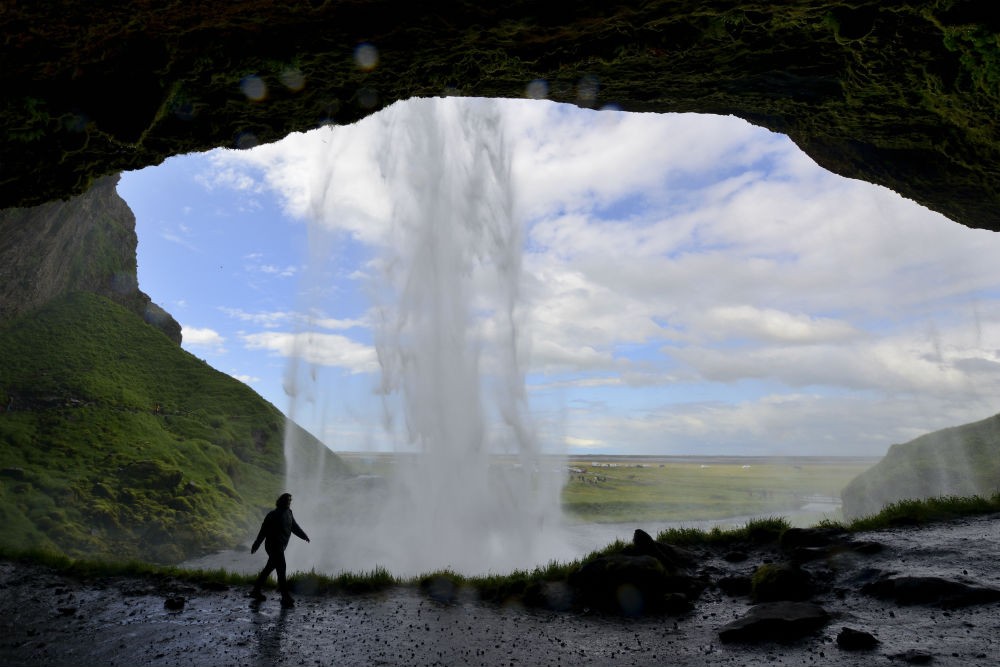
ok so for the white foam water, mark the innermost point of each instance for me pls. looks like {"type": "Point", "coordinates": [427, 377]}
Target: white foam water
{"type": "Point", "coordinates": [474, 492]}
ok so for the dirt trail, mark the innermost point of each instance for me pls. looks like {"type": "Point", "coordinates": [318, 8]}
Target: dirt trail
{"type": "Point", "coordinates": [49, 619]}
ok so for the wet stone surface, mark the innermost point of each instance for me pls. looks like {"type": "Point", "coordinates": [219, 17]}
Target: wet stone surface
{"type": "Point", "coordinates": [50, 619]}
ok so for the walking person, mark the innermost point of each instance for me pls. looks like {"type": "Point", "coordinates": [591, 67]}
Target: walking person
{"type": "Point", "coordinates": [275, 531]}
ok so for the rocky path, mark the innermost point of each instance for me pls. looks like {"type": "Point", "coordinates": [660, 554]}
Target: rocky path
{"type": "Point", "coordinates": [49, 619]}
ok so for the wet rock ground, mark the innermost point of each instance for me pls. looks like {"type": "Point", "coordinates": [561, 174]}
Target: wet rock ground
{"type": "Point", "coordinates": [51, 619]}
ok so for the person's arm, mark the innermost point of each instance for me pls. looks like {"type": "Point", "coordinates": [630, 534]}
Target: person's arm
{"type": "Point", "coordinates": [298, 530]}
{"type": "Point", "coordinates": [260, 535]}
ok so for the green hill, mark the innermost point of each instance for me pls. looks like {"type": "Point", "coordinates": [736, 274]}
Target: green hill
{"type": "Point", "coordinates": [116, 443]}
{"type": "Point", "coordinates": [959, 461]}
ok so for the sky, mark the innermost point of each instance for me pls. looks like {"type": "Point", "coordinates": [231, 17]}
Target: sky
{"type": "Point", "coordinates": [689, 284]}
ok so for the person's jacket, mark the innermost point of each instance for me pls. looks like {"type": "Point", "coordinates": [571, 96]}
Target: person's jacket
{"type": "Point", "coordinates": [277, 528]}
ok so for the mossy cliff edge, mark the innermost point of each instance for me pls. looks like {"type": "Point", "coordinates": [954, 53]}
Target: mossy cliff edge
{"type": "Point", "coordinates": [959, 461]}
{"type": "Point", "coordinates": [115, 442]}
{"type": "Point", "coordinates": [903, 94]}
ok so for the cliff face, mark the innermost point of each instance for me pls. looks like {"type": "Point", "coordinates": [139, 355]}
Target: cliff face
{"type": "Point", "coordinates": [957, 461]}
{"type": "Point", "coordinates": [903, 94]}
{"type": "Point", "coordinates": [85, 244]}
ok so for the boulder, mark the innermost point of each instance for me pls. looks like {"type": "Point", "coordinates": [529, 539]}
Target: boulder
{"type": "Point", "coordinates": [672, 558]}
{"type": "Point", "coordinates": [946, 593]}
{"type": "Point", "coordinates": [809, 537]}
{"type": "Point", "coordinates": [632, 585]}
{"type": "Point", "coordinates": [850, 639]}
{"type": "Point", "coordinates": [780, 581]}
{"type": "Point", "coordinates": [775, 621]}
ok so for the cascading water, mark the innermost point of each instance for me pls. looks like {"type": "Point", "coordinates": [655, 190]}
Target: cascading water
{"type": "Point", "coordinates": [470, 489]}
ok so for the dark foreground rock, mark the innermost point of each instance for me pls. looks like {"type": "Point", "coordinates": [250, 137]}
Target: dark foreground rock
{"type": "Point", "coordinates": [850, 639]}
{"type": "Point", "coordinates": [776, 621]}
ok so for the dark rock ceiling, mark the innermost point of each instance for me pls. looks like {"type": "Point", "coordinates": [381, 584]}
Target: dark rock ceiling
{"type": "Point", "coordinates": [904, 94]}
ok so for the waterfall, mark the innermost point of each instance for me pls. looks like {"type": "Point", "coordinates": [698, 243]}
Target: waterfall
{"type": "Point", "coordinates": [470, 489]}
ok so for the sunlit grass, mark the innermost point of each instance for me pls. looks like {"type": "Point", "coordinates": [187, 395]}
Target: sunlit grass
{"type": "Point", "coordinates": [920, 512]}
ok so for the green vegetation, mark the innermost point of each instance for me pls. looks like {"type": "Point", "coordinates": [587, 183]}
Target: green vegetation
{"type": "Point", "coordinates": [925, 511]}
{"type": "Point", "coordinates": [121, 445]}
{"type": "Point", "coordinates": [958, 461]}
{"type": "Point", "coordinates": [615, 490]}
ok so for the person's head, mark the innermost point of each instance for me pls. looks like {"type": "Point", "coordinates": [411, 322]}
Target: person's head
{"type": "Point", "coordinates": [284, 500]}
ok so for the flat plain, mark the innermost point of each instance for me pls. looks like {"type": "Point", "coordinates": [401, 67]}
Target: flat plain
{"type": "Point", "coordinates": [618, 489]}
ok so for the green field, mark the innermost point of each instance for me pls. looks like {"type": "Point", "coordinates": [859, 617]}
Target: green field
{"type": "Point", "coordinates": [605, 489]}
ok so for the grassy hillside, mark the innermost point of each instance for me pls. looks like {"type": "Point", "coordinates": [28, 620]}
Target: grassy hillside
{"type": "Point", "coordinates": [959, 461]}
{"type": "Point", "coordinates": [116, 443]}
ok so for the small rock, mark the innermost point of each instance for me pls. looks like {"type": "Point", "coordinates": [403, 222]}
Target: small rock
{"type": "Point", "coordinates": [175, 603]}
{"type": "Point", "coordinates": [66, 611]}
{"type": "Point", "coordinates": [913, 657]}
{"type": "Point", "coordinates": [856, 640]}
{"type": "Point", "coordinates": [735, 557]}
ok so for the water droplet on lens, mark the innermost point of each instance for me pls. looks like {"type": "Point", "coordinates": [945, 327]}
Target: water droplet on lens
{"type": "Point", "coordinates": [254, 88]}
{"type": "Point", "coordinates": [537, 90]}
{"type": "Point", "coordinates": [366, 57]}
{"type": "Point", "coordinates": [293, 79]}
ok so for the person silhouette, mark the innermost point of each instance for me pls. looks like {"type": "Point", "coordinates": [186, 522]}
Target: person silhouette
{"type": "Point", "coordinates": [275, 531]}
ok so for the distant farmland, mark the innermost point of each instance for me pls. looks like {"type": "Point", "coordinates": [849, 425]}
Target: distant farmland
{"type": "Point", "coordinates": [616, 489]}
{"type": "Point", "coordinates": [643, 488]}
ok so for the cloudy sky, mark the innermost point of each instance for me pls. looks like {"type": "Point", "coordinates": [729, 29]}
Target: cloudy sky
{"type": "Point", "coordinates": [689, 284]}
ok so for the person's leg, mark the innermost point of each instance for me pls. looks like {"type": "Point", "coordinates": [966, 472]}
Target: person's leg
{"type": "Point", "coordinates": [264, 574]}
{"type": "Point", "coordinates": [286, 598]}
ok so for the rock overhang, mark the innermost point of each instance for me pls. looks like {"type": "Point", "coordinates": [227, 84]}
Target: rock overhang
{"type": "Point", "coordinates": [903, 94]}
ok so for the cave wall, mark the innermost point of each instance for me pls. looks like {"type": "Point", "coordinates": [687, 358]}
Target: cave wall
{"type": "Point", "coordinates": [904, 94]}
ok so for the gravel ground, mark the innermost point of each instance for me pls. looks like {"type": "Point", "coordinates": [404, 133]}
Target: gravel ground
{"type": "Point", "coordinates": [50, 619]}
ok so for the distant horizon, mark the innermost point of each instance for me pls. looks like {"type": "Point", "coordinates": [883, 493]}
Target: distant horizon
{"type": "Point", "coordinates": [643, 457]}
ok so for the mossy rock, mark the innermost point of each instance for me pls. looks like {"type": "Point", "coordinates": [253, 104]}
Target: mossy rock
{"type": "Point", "coordinates": [773, 582]}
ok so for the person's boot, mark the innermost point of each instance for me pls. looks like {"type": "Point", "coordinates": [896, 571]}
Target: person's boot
{"type": "Point", "coordinates": [257, 595]}
{"type": "Point", "coordinates": [286, 601]}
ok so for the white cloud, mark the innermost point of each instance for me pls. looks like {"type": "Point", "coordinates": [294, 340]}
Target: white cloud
{"type": "Point", "coordinates": [772, 325]}
{"type": "Point", "coordinates": [277, 318]}
{"type": "Point", "coordinates": [583, 443]}
{"type": "Point", "coordinates": [202, 337]}
{"type": "Point", "coordinates": [317, 348]}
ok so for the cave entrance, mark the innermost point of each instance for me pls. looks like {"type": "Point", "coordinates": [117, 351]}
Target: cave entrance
{"type": "Point", "coordinates": [695, 285]}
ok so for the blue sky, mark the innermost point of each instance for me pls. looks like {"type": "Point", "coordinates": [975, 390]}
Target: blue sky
{"type": "Point", "coordinates": [689, 284]}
